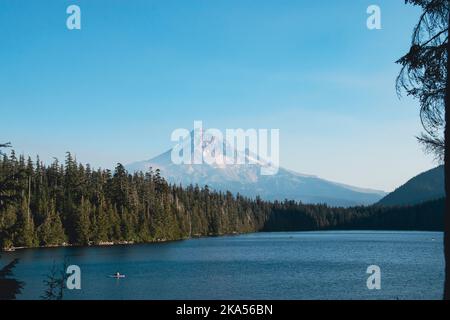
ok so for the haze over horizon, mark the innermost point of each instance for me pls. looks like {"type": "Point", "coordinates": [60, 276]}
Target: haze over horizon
{"type": "Point", "coordinates": [116, 89]}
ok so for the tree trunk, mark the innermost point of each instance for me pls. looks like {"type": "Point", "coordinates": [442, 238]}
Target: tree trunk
{"type": "Point", "coordinates": [447, 182]}
{"type": "Point", "coordinates": [29, 200]}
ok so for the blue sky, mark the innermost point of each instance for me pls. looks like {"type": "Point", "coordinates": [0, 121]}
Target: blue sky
{"type": "Point", "coordinates": [116, 89]}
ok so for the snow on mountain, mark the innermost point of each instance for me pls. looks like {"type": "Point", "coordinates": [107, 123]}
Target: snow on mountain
{"type": "Point", "coordinates": [247, 179]}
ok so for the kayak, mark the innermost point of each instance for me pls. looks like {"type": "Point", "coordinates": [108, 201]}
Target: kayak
{"type": "Point", "coordinates": [117, 276]}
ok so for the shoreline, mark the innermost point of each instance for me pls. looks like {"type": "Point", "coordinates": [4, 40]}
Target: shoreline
{"type": "Point", "coordinates": [120, 243]}
{"type": "Point", "coordinates": [129, 243]}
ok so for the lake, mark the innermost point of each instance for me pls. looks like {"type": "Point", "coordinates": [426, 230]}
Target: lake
{"type": "Point", "coordinates": [288, 265]}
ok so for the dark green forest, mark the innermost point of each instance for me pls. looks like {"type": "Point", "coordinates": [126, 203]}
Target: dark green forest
{"type": "Point", "coordinates": [291, 216]}
{"type": "Point", "coordinates": [71, 203]}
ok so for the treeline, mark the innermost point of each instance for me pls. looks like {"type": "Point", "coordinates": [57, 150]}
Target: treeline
{"type": "Point", "coordinates": [69, 203]}
{"type": "Point", "coordinates": [291, 216]}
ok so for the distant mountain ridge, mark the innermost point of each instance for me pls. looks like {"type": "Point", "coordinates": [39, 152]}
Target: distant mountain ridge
{"type": "Point", "coordinates": [247, 180]}
{"type": "Point", "coordinates": [426, 186]}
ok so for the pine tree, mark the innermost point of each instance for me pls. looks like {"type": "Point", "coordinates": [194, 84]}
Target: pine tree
{"type": "Point", "coordinates": [83, 223]}
{"type": "Point", "coordinates": [51, 232]}
{"type": "Point", "coordinates": [102, 225]}
{"type": "Point", "coordinates": [25, 234]}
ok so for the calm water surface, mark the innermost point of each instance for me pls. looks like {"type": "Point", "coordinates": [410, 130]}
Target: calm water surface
{"type": "Point", "coordinates": [291, 265]}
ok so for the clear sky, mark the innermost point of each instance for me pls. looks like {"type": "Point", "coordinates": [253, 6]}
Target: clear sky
{"type": "Point", "coordinates": [116, 89]}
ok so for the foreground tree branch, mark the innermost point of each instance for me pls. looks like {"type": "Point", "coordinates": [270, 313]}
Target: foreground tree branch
{"type": "Point", "coordinates": [447, 185]}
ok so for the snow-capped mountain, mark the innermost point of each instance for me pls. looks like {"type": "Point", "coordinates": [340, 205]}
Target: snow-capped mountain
{"type": "Point", "coordinates": [247, 179]}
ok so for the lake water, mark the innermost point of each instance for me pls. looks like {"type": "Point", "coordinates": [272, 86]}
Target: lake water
{"type": "Point", "coordinates": [291, 265]}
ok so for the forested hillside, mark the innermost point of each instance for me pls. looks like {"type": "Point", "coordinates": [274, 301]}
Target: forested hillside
{"type": "Point", "coordinates": [71, 203]}
{"type": "Point", "coordinates": [424, 187]}
{"type": "Point", "coordinates": [297, 217]}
